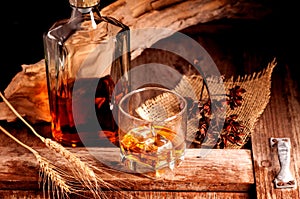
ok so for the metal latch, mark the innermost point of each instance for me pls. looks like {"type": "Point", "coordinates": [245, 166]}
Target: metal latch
{"type": "Point", "coordinates": [284, 178]}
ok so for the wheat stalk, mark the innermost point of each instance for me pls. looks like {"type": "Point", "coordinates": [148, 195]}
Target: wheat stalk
{"type": "Point", "coordinates": [83, 173]}
{"type": "Point", "coordinates": [47, 170]}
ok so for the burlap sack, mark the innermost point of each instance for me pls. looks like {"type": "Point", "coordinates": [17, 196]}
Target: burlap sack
{"type": "Point", "coordinates": [254, 101]}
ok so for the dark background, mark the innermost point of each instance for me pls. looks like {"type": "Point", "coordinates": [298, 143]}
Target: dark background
{"type": "Point", "coordinates": [22, 26]}
{"type": "Point", "coordinates": [24, 22]}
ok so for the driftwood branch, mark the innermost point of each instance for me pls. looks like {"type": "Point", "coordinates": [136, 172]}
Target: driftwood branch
{"type": "Point", "coordinates": [177, 15]}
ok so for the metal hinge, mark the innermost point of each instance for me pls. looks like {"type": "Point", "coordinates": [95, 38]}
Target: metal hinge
{"type": "Point", "coordinates": [284, 178]}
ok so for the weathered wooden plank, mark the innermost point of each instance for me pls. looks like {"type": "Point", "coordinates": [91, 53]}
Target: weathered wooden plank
{"type": "Point", "coordinates": [21, 194]}
{"type": "Point", "coordinates": [280, 119]}
{"type": "Point", "coordinates": [219, 170]}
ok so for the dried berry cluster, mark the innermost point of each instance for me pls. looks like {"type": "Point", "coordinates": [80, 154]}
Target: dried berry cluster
{"type": "Point", "coordinates": [234, 98]}
{"type": "Point", "coordinates": [232, 131]}
{"type": "Point", "coordinates": [204, 121]}
{"type": "Point", "coordinates": [209, 124]}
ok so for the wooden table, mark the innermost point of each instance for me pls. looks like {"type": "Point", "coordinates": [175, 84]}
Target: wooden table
{"type": "Point", "coordinates": [242, 173]}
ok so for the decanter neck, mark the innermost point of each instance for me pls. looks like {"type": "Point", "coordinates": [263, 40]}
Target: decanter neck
{"type": "Point", "coordinates": [84, 3]}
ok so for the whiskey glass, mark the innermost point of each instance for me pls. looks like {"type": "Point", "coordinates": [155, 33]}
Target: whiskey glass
{"type": "Point", "coordinates": [152, 128]}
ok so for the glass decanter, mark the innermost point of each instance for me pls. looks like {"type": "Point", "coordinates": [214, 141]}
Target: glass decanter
{"type": "Point", "coordinates": [87, 59]}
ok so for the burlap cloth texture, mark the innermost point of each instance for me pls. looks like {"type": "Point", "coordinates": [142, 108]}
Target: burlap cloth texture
{"type": "Point", "coordinates": [255, 100]}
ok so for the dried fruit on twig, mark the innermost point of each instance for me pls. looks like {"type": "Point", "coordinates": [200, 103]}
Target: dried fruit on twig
{"type": "Point", "coordinates": [232, 131]}
{"type": "Point", "coordinates": [234, 98]}
{"type": "Point", "coordinates": [192, 107]}
{"type": "Point", "coordinates": [204, 114]}
{"type": "Point", "coordinates": [202, 132]}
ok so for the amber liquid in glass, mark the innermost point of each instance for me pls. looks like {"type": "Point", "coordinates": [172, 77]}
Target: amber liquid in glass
{"type": "Point", "coordinates": [85, 56]}
{"type": "Point", "coordinates": [148, 149]}
{"type": "Point", "coordinates": [82, 120]}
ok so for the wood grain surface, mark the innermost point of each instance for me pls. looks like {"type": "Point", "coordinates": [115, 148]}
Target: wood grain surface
{"type": "Point", "coordinates": [281, 119]}
{"type": "Point", "coordinates": [216, 170]}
